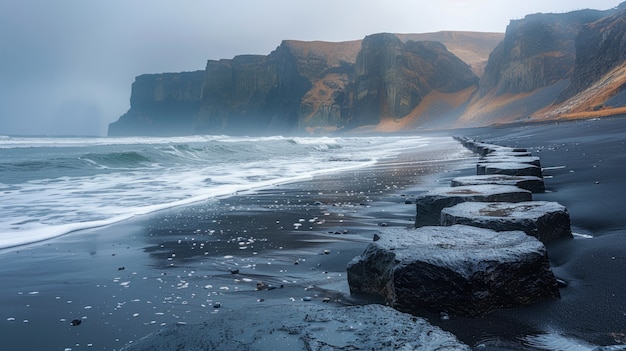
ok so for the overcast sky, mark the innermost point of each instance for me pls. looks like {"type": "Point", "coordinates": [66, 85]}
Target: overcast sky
{"type": "Point", "coordinates": [66, 66]}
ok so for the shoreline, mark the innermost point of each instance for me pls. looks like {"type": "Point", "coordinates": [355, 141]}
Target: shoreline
{"type": "Point", "coordinates": [583, 162]}
{"type": "Point", "coordinates": [133, 278]}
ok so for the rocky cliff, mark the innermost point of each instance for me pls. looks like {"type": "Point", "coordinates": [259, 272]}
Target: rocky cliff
{"type": "Point", "coordinates": [162, 104]}
{"type": "Point", "coordinates": [393, 78]}
{"type": "Point", "coordinates": [303, 87]}
{"type": "Point", "coordinates": [546, 66]}
{"type": "Point", "coordinates": [599, 79]}
{"type": "Point", "coordinates": [530, 67]}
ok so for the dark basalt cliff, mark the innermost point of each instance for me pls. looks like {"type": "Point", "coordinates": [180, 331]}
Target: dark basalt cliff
{"type": "Point", "coordinates": [299, 87]}
{"type": "Point", "coordinates": [600, 47]}
{"type": "Point", "coordinates": [546, 66]}
{"type": "Point", "coordinates": [528, 71]}
{"type": "Point", "coordinates": [162, 104]}
{"type": "Point", "coordinates": [536, 52]}
{"type": "Point", "coordinates": [393, 77]}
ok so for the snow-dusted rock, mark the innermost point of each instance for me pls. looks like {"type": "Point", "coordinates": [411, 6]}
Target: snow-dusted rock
{"type": "Point", "coordinates": [485, 149]}
{"type": "Point", "coordinates": [429, 205]}
{"type": "Point", "coordinates": [513, 168]}
{"type": "Point", "coordinates": [543, 220]}
{"type": "Point", "coordinates": [486, 161]}
{"type": "Point", "coordinates": [506, 153]}
{"type": "Point", "coordinates": [459, 269]}
{"type": "Point", "coordinates": [530, 183]}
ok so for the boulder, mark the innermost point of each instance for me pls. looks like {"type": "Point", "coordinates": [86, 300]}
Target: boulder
{"type": "Point", "coordinates": [460, 269]}
{"type": "Point", "coordinates": [543, 220]}
{"type": "Point", "coordinates": [302, 327]}
{"type": "Point", "coordinates": [513, 168]}
{"type": "Point", "coordinates": [486, 161]}
{"type": "Point", "coordinates": [429, 205]}
{"type": "Point", "coordinates": [485, 149]}
{"type": "Point", "coordinates": [510, 153]}
{"type": "Point", "coordinates": [530, 183]}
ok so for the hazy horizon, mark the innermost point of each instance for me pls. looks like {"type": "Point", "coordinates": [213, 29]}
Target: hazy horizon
{"type": "Point", "coordinates": [68, 65]}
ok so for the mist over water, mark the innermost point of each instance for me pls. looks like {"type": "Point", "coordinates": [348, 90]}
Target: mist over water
{"type": "Point", "coordinates": [52, 186]}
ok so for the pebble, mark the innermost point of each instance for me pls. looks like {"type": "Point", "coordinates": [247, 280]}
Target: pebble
{"type": "Point", "coordinates": [75, 322]}
{"type": "Point", "coordinates": [307, 298]}
{"type": "Point", "coordinates": [444, 316]}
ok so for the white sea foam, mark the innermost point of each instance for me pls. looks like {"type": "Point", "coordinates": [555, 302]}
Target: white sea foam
{"type": "Point", "coordinates": [53, 186]}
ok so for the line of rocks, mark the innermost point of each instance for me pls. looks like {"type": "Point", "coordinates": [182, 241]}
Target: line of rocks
{"type": "Point", "coordinates": [477, 245]}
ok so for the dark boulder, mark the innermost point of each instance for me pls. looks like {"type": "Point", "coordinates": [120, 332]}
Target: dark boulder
{"type": "Point", "coordinates": [544, 220]}
{"type": "Point", "coordinates": [530, 183]}
{"type": "Point", "coordinates": [429, 205]}
{"type": "Point", "coordinates": [460, 269]}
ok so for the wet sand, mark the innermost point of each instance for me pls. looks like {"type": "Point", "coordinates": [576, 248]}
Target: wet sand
{"type": "Point", "coordinates": [197, 263]}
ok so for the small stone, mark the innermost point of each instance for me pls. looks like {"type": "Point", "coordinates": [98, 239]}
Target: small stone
{"type": "Point", "coordinates": [326, 299]}
{"type": "Point", "coordinates": [217, 305]}
{"type": "Point", "coordinates": [561, 283]}
{"type": "Point", "coordinates": [326, 252]}
{"type": "Point", "coordinates": [121, 268]}
{"type": "Point", "coordinates": [307, 298]}
{"type": "Point", "coordinates": [383, 224]}
{"type": "Point", "coordinates": [376, 237]}
{"type": "Point", "coordinates": [444, 316]}
{"type": "Point", "coordinates": [234, 271]}
{"type": "Point", "coordinates": [75, 322]}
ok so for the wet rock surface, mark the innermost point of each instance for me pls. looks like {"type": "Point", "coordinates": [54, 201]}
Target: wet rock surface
{"type": "Point", "coordinates": [429, 205]}
{"type": "Point", "coordinates": [513, 168]}
{"type": "Point", "coordinates": [544, 220]}
{"type": "Point", "coordinates": [370, 327]}
{"type": "Point", "coordinates": [461, 270]}
{"type": "Point", "coordinates": [530, 183]}
{"type": "Point", "coordinates": [489, 160]}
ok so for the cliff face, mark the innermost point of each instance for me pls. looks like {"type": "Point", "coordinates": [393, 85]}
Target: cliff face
{"type": "Point", "coordinates": [162, 104]}
{"type": "Point", "coordinates": [252, 94]}
{"type": "Point", "coordinates": [598, 83]}
{"type": "Point", "coordinates": [536, 52]}
{"type": "Point", "coordinates": [392, 77]}
{"type": "Point", "coordinates": [529, 69]}
{"type": "Point", "coordinates": [600, 47]}
{"type": "Point", "coordinates": [299, 87]}
{"type": "Point", "coordinates": [547, 66]}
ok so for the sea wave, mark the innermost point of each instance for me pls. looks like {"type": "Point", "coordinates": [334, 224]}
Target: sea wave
{"type": "Point", "coordinates": [53, 186]}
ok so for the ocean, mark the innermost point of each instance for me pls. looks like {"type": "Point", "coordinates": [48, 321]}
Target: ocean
{"type": "Point", "coordinates": [51, 186]}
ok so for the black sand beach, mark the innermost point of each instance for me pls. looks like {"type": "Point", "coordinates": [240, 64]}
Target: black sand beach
{"type": "Point", "coordinates": [196, 263]}
{"type": "Point", "coordinates": [201, 263]}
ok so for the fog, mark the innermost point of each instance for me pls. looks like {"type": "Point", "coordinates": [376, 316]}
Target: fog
{"type": "Point", "coordinates": [66, 66]}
